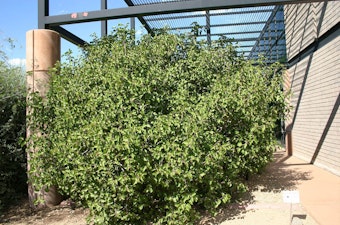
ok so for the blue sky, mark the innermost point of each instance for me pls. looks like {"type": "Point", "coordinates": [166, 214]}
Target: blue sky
{"type": "Point", "coordinates": [19, 16]}
{"type": "Point", "coordinates": [16, 17]}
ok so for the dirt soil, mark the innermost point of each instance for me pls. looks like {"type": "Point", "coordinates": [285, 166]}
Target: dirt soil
{"type": "Point", "coordinates": [64, 214]}
{"type": "Point", "coordinates": [262, 204]}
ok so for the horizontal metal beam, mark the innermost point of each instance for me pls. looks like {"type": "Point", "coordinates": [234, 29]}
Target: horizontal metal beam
{"type": "Point", "coordinates": [161, 8]}
{"type": "Point", "coordinates": [254, 39]}
{"type": "Point", "coordinates": [240, 33]}
{"type": "Point", "coordinates": [244, 46]}
{"type": "Point", "coordinates": [282, 51]}
{"type": "Point", "coordinates": [237, 33]}
{"type": "Point", "coordinates": [140, 18]}
{"type": "Point", "coordinates": [203, 15]}
{"type": "Point", "coordinates": [225, 25]}
{"type": "Point", "coordinates": [69, 36]}
{"type": "Point", "coordinates": [243, 39]}
{"type": "Point", "coordinates": [265, 53]}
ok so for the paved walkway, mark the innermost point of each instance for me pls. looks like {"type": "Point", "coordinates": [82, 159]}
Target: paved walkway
{"type": "Point", "coordinates": [266, 201]}
{"type": "Point", "coordinates": [319, 193]}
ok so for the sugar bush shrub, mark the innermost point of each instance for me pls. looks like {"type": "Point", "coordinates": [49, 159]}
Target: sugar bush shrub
{"type": "Point", "coordinates": [12, 129]}
{"type": "Point", "coordinates": [155, 130]}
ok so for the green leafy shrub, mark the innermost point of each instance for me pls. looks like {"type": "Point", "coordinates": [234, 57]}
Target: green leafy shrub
{"type": "Point", "coordinates": [157, 130]}
{"type": "Point", "coordinates": [12, 128]}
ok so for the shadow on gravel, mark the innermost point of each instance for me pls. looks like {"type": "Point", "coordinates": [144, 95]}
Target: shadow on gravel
{"type": "Point", "coordinates": [277, 176]}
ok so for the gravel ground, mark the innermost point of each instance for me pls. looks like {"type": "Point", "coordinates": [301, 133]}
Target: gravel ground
{"type": "Point", "coordinates": [262, 205]}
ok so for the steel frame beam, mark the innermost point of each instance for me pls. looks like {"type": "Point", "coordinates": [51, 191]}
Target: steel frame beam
{"type": "Point", "coordinates": [103, 23]}
{"type": "Point", "coordinates": [69, 36]}
{"type": "Point", "coordinates": [43, 12]}
{"type": "Point", "coordinates": [53, 22]}
{"type": "Point", "coordinates": [241, 32]}
{"type": "Point", "coordinates": [264, 30]}
{"type": "Point", "coordinates": [208, 26]}
{"type": "Point", "coordinates": [224, 25]}
{"type": "Point", "coordinates": [140, 18]}
{"type": "Point", "coordinates": [161, 8]}
{"type": "Point", "coordinates": [211, 14]}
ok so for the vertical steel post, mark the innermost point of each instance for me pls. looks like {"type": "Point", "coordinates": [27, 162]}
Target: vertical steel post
{"type": "Point", "coordinates": [133, 23]}
{"type": "Point", "coordinates": [43, 10]}
{"type": "Point", "coordinates": [207, 14]}
{"type": "Point", "coordinates": [133, 26]}
{"type": "Point", "coordinates": [42, 52]}
{"type": "Point", "coordinates": [103, 6]}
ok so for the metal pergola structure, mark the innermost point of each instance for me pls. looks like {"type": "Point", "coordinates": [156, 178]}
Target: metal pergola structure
{"type": "Point", "coordinates": [256, 26]}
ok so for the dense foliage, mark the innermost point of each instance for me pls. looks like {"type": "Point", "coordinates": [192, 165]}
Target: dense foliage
{"type": "Point", "coordinates": [154, 130]}
{"type": "Point", "coordinates": [12, 128]}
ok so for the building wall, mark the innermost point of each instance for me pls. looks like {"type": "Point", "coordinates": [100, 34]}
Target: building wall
{"type": "Point", "coordinates": [315, 83]}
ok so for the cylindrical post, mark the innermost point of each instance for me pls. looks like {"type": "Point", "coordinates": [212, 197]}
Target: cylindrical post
{"type": "Point", "coordinates": [42, 52]}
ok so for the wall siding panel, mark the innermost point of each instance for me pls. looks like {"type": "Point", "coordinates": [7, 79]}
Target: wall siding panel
{"type": "Point", "coordinates": [315, 84]}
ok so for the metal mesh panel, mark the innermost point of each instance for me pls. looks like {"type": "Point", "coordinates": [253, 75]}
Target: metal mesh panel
{"type": "Point", "coordinates": [258, 31]}
{"type": "Point", "coordinates": [148, 2]}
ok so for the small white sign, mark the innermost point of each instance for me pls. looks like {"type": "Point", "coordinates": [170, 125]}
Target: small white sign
{"type": "Point", "coordinates": [291, 197]}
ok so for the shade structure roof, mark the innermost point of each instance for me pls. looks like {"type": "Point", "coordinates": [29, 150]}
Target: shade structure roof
{"type": "Point", "coordinates": [255, 26]}
{"type": "Point", "coordinates": [256, 31]}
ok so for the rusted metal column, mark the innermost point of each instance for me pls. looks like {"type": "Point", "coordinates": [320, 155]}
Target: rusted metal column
{"type": "Point", "coordinates": [289, 143]}
{"type": "Point", "coordinates": [288, 121]}
{"type": "Point", "coordinates": [42, 52]}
